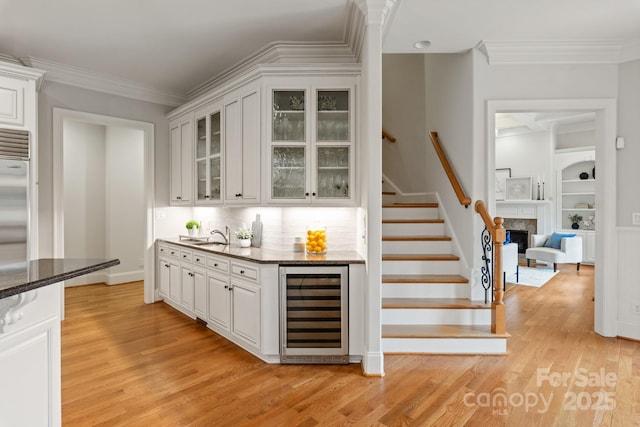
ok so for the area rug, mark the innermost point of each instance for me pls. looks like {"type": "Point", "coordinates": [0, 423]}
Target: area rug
{"type": "Point", "coordinates": [530, 276]}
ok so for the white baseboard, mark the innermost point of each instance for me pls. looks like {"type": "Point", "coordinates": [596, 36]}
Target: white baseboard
{"type": "Point", "coordinates": [373, 364]}
{"type": "Point", "coordinates": [629, 330]}
{"type": "Point", "coordinates": [109, 279]}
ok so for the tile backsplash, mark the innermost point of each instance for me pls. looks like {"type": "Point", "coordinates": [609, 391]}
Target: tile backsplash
{"type": "Point", "coordinates": [279, 225]}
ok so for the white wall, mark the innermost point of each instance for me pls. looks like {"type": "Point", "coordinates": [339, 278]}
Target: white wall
{"type": "Point", "coordinates": [84, 195]}
{"type": "Point", "coordinates": [528, 155]}
{"type": "Point", "coordinates": [449, 111]}
{"type": "Point", "coordinates": [104, 198]}
{"type": "Point", "coordinates": [403, 116]}
{"type": "Point", "coordinates": [74, 98]}
{"type": "Point", "coordinates": [628, 199]}
{"type": "Point", "coordinates": [585, 138]}
{"type": "Point", "coordinates": [125, 202]}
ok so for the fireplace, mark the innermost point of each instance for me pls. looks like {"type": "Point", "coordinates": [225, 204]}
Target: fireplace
{"type": "Point", "coordinates": [521, 237]}
{"type": "Point", "coordinates": [521, 231]}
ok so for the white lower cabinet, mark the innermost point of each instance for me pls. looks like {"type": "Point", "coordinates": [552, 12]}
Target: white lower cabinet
{"type": "Point", "coordinates": [237, 299]}
{"type": "Point", "coordinates": [245, 312]}
{"type": "Point", "coordinates": [219, 301]}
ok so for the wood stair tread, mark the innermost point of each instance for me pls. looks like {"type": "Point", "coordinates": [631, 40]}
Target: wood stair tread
{"type": "Point", "coordinates": [413, 221]}
{"type": "Point", "coordinates": [420, 257]}
{"type": "Point", "coordinates": [440, 303]}
{"type": "Point", "coordinates": [416, 238]}
{"type": "Point", "coordinates": [410, 205]}
{"type": "Point", "coordinates": [423, 278]}
{"type": "Point", "coordinates": [439, 331]}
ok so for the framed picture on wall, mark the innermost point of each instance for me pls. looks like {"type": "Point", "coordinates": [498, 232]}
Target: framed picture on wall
{"type": "Point", "coordinates": [501, 176]}
{"type": "Point", "coordinates": [518, 188]}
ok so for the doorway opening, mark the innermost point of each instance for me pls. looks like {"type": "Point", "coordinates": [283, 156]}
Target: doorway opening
{"type": "Point", "coordinates": [104, 194]}
{"type": "Point", "coordinates": [604, 113]}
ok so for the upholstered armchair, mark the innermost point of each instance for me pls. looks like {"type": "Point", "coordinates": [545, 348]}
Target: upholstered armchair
{"type": "Point", "coordinates": [557, 248]}
{"type": "Point", "coordinates": [510, 261]}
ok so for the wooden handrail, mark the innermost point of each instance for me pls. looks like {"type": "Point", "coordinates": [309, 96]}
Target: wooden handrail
{"type": "Point", "coordinates": [498, 235]}
{"type": "Point", "coordinates": [386, 134]}
{"type": "Point", "coordinates": [453, 179]}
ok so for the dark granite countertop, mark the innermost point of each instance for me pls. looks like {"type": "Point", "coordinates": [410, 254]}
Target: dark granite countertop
{"type": "Point", "coordinates": [18, 278]}
{"type": "Point", "coordinates": [270, 256]}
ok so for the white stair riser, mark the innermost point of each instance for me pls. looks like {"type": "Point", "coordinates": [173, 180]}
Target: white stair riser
{"type": "Point", "coordinates": [409, 213]}
{"type": "Point", "coordinates": [416, 247]}
{"type": "Point", "coordinates": [413, 229]}
{"type": "Point", "coordinates": [436, 316]}
{"type": "Point", "coordinates": [426, 290]}
{"type": "Point", "coordinates": [420, 267]}
{"type": "Point", "coordinates": [445, 345]}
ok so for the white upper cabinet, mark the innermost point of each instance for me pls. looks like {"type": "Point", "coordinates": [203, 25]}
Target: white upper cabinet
{"type": "Point", "coordinates": [242, 145]}
{"type": "Point", "coordinates": [311, 141]}
{"type": "Point", "coordinates": [209, 155]}
{"type": "Point", "coordinates": [181, 140]}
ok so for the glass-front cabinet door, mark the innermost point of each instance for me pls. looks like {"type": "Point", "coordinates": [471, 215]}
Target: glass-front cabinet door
{"type": "Point", "coordinates": [333, 118]}
{"type": "Point", "coordinates": [209, 158]}
{"type": "Point", "coordinates": [311, 142]}
{"type": "Point", "coordinates": [288, 118]}
{"type": "Point", "coordinates": [333, 172]}
{"type": "Point", "coordinates": [289, 172]}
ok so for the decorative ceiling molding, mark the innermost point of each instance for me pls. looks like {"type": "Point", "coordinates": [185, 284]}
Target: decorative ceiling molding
{"type": "Point", "coordinates": [261, 70]}
{"type": "Point", "coordinates": [11, 67]}
{"type": "Point", "coordinates": [281, 52]}
{"type": "Point", "coordinates": [73, 76]}
{"type": "Point", "coordinates": [631, 51]}
{"type": "Point", "coordinates": [552, 52]}
{"type": "Point", "coordinates": [354, 30]}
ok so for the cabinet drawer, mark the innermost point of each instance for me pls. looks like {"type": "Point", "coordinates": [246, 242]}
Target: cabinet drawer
{"type": "Point", "coordinates": [218, 264]}
{"type": "Point", "coordinates": [199, 258]}
{"type": "Point", "coordinates": [244, 271]}
{"type": "Point", "coordinates": [169, 250]}
{"type": "Point", "coordinates": [186, 255]}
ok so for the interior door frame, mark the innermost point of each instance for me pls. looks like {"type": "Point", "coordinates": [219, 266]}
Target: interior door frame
{"type": "Point", "coordinates": [59, 117]}
{"type": "Point", "coordinates": [606, 275]}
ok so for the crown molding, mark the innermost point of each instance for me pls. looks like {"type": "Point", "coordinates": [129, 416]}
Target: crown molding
{"type": "Point", "coordinates": [551, 52]}
{"type": "Point", "coordinates": [631, 51]}
{"type": "Point", "coordinates": [11, 67]}
{"type": "Point", "coordinates": [281, 52]}
{"type": "Point", "coordinates": [73, 76]}
{"type": "Point", "coordinates": [266, 70]}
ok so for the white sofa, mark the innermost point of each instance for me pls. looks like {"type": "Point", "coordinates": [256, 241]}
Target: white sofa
{"type": "Point", "coordinates": [570, 250]}
{"type": "Point", "coordinates": [510, 261]}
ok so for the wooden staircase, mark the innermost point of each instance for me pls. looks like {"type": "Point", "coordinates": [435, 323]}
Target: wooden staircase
{"type": "Point", "coordinates": [425, 300]}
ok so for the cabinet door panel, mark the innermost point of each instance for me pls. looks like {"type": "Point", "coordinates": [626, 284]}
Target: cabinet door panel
{"type": "Point", "coordinates": [188, 288]}
{"type": "Point", "coordinates": [233, 151]}
{"type": "Point", "coordinates": [251, 146]}
{"type": "Point", "coordinates": [165, 278]}
{"type": "Point", "coordinates": [288, 173]}
{"type": "Point", "coordinates": [219, 301]}
{"type": "Point", "coordinates": [246, 312]}
{"type": "Point", "coordinates": [174, 283]}
{"type": "Point", "coordinates": [200, 294]}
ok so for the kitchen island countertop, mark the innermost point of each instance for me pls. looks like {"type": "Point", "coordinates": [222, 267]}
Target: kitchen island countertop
{"type": "Point", "coordinates": [271, 256]}
{"type": "Point", "coordinates": [18, 278]}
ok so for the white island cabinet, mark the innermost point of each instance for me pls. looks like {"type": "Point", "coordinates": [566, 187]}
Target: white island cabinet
{"type": "Point", "coordinates": [30, 361]}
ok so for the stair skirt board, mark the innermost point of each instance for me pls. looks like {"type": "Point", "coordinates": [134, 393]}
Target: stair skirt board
{"type": "Point", "coordinates": [425, 290]}
{"type": "Point", "coordinates": [416, 247]}
{"type": "Point", "coordinates": [444, 345]}
{"type": "Point", "coordinates": [435, 316]}
{"type": "Point", "coordinates": [412, 213]}
{"type": "Point", "coordinates": [420, 267]}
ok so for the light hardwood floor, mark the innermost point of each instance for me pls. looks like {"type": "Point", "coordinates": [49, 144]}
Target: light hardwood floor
{"type": "Point", "coordinates": [125, 363]}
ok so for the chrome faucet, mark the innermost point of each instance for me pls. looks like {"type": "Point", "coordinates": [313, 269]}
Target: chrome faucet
{"type": "Point", "coordinates": [224, 235]}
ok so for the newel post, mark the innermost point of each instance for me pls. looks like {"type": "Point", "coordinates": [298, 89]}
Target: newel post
{"type": "Point", "coordinates": [498, 309]}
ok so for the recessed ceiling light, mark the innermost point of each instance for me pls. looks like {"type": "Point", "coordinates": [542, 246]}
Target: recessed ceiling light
{"type": "Point", "coordinates": [422, 44]}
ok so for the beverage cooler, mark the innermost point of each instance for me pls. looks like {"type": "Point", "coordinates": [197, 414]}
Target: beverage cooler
{"type": "Point", "coordinates": [314, 314]}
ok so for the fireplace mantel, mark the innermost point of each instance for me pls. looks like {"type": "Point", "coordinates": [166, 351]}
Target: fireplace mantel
{"type": "Point", "coordinates": [539, 210]}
